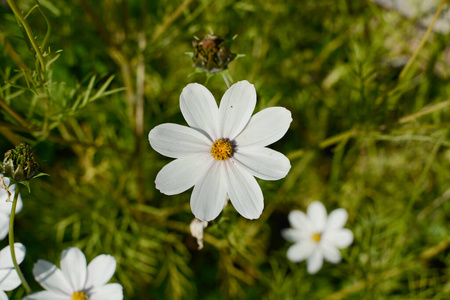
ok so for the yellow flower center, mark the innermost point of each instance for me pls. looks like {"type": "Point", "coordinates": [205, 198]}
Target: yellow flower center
{"type": "Point", "coordinates": [316, 237]}
{"type": "Point", "coordinates": [222, 149]}
{"type": "Point", "coordinates": [79, 296]}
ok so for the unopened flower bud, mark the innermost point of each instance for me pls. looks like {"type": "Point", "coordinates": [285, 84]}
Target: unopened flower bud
{"type": "Point", "coordinates": [19, 163]}
{"type": "Point", "coordinates": [212, 53]}
{"type": "Point", "coordinates": [197, 227]}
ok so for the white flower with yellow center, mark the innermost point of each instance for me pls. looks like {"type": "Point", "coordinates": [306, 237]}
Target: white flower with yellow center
{"type": "Point", "coordinates": [75, 281]}
{"type": "Point", "coordinates": [9, 279]}
{"type": "Point", "coordinates": [316, 236]}
{"type": "Point", "coordinates": [5, 207]}
{"type": "Point", "coordinates": [222, 150]}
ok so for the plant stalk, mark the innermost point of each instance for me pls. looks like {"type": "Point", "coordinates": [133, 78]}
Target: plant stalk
{"type": "Point", "coordinates": [29, 32]}
{"type": "Point", "coordinates": [11, 241]}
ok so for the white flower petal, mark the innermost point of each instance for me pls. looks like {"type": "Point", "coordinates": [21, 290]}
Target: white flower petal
{"type": "Point", "coordinates": [51, 278]}
{"type": "Point", "coordinates": [263, 163]}
{"type": "Point", "coordinates": [100, 270]}
{"type": "Point", "coordinates": [5, 255]}
{"type": "Point", "coordinates": [315, 262]}
{"type": "Point", "coordinates": [5, 206]}
{"type": "Point", "coordinates": [200, 110]}
{"type": "Point", "coordinates": [265, 127]}
{"type": "Point", "coordinates": [4, 225]}
{"type": "Point", "coordinates": [341, 238]}
{"type": "Point", "coordinates": [197, 228]}
{"type": "Point", "coordinates": [317, 214]}
{"type": "Point", "coordinates": [330, 252]}
{"type": "Point", "coordinates": [3, 295]}
{"type": "Point", "coordinates": [293, 235]}
{"type": "Point", "coordinates": [300, 251]}
{"type": "Point", "coordinates": [4, 196]}
{"type": "Point", "coordinates": [19, 204]}
{"type": "Point", "coordinates": [73, 266]}
{"type": "Point", "coordinates": [182, 173]}
{"type": "Point", "coordinates": [337, 219]}
{"type": "Point", "coordinates": [9, 279]}
{"type": "Point", "coordinates": [243, 190]}
{"type": "Point", "coordinates": [5, 210]}
{"type": "Point", "coordinates": [112, 291]}
{"type": "Point", "coordinates": [176, 141]}
{"type": "Point", "coordinates": [47, 295]}
{"type": "Point", "coordinates": [300, 221]}
{"type": "Point", "coordinates": [236, 108]}
{"type": "Point", "coordinates": [209, 194]}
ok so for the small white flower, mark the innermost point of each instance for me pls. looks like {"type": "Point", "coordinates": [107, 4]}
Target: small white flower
{"type": "Point", "coordinates": [5, 207]}
{"type": "Point", "coordinates": [197, 227]}
{"type": "Point", "coordinates": [317, 236]}
{"type": "Point", "coordinates": [75, 281]}
{"type": "Point", "coordinates": [222, 150]}
{"type": "Point", "coordinates": [9, 279]}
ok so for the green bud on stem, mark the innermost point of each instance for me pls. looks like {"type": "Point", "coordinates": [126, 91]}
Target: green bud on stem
{"type": "Point", "coordinates": [212, 54]}
{"type": "Point", "coordinates": [19, 163]}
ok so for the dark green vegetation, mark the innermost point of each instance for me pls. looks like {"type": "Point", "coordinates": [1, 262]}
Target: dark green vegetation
{"type": "Point", "coordinates": [363, 138]}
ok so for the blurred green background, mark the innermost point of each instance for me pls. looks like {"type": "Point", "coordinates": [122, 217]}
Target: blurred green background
{"type": "Point", "coordinates": [363, 138]}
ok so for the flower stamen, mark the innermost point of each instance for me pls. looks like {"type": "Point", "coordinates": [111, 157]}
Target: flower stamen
{"type": "Point", "coordinates": [222, 149]}
{"type": "Point", "coordinates": [79, 296]}
{"type": "Point", "coordinates": [316, 237]}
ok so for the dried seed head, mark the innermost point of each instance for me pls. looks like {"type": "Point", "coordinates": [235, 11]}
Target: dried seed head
{"type": "Point", "coordinates": [212, 53]}
{"type": "Point", "coordinates": [19, 163]}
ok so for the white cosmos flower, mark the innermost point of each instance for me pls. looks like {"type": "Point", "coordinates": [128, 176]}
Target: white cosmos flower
{"type": "Point", "coordinates": [75, 281]}
{"type": "Point", "coordinates": [9, 279]}
{"type": "Point", "coordinates": [5, 207]}
{"type": "Point", "coordinates": [316, 236]}
{"type": "Point", "coordinates": [222, 150]}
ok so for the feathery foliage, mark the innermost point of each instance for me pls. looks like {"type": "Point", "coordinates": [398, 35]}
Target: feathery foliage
{"type": "Point", "coordinates": [83, 82]}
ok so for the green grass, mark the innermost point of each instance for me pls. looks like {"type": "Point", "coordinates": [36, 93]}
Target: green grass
{"type": "Point", "coordinates": [361, 138]}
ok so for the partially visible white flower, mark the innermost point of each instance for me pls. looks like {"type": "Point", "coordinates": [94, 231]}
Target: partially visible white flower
{"type": "Point", "coordinates": [316, 236]}
{"type": "Point", "coordinates": [75, 281]}
{"type": "Point", "coordinates": [197, 227]}
{"type": "Point", "coordinates": [5, 207]}
{"type": "Point", "coordinates": [222, 151]}
{"type": "Point", "coordinates": [421, 10]}
{"type": "Point", "coordinates": [9, 279]}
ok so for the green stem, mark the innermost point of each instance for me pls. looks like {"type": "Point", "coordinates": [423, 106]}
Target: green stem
{"type": "Point", "coordinates": [226, 80]}
{"type": "Point", "coordinates": [11, 240]}
{"type": "Point", "coordinates": [29, 32]}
